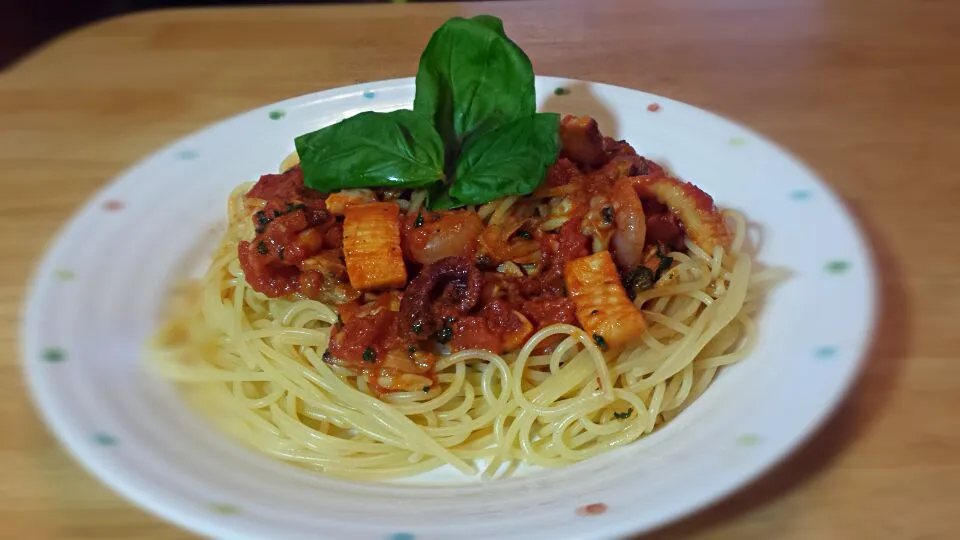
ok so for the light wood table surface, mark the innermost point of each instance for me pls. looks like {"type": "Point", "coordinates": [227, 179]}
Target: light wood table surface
{"type": "Point", "coordinates": [867, 93]}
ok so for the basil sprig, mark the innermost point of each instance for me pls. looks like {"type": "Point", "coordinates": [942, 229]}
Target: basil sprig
{"type": "Point", "coordinates": [472, 78]}
{"type": "Point", "coordinates": [394, 149]}
{"type": "Point", "coordinates": [473, 135]}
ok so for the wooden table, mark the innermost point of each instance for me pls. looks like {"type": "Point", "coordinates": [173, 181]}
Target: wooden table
{"type": "Point", "coordinates": [867, 93]}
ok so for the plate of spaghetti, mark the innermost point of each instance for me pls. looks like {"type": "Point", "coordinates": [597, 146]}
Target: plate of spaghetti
{"type": "Point", "coordinates": [477, 302]}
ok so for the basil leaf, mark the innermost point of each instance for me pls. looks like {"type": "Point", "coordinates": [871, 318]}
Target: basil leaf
{"type": "Point", "coordinates": [438, 198]}
{"type": "Point", "coordinates": [394, 149]}
{"type": "Point", "coordinates": [471, 79]}
{"type": "Point", "coordinates": [490, 22]}
{"type": "Point", "coordinates": [509, 160]}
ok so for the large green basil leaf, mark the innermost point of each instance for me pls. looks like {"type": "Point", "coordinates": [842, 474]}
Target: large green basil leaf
{"type": "Point", "coordinates": [509, 160]}
{"type": "Point", "coordinates": [471, 79]}
{"type": "Point", "coordinates": [438, 197]}
{"type": "Point", "coordinates": [394, 149]}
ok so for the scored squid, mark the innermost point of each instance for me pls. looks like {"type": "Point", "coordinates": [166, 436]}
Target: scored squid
{"type": "Point", "coordinates": [701, 220]}
{"type": "Point", "coordinates": [602, 305]}
{"type": "Point", "coordinates": [371, 246]}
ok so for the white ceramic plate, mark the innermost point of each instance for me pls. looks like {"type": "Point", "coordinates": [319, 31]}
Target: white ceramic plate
{"type": "Point", "coordinates": [98, 292]}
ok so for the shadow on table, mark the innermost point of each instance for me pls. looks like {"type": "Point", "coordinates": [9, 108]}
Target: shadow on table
{"type": "Point", "coordinates": [862, 406]}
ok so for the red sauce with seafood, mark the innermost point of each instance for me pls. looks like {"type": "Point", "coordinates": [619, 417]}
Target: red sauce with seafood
{"type": "Point", "coordinates": [407, 281]}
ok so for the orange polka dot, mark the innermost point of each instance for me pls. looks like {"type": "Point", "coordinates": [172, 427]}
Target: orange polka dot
{"type": "Point", "coordinates": [653, 107]}
{"type": "Point", "coordinates": [113, 206]}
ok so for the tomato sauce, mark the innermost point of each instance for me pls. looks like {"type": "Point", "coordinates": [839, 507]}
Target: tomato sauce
{"type": "Point", "coordinates": [291, 227]}
{"type": "Point", "coordinates": [354, 340]}
{"type": "Point", "coordinates": [474, 332]}
{"type": "Point", "coordinates": [557, 249]}
{"type": "Point", "coordinates": [453, 297]}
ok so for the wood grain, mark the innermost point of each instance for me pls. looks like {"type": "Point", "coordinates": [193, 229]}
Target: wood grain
{"type": "Point", "coordinates": [867, 93]}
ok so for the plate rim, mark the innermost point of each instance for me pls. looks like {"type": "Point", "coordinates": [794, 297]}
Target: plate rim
{"type": "Point", "coordinates": [57, 423]}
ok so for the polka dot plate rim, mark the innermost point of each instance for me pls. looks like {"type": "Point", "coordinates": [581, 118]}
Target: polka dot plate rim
{"type": "Point", "coordinates": [87, 378]}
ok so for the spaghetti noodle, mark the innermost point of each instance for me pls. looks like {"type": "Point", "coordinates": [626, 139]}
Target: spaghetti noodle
{"type": "Point", "coordinates": [260, 364]}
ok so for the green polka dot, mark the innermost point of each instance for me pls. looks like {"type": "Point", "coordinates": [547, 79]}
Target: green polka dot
{"type": "Point", "coordinates": [837, 267]}
{"type": "Point", "coordinates": [800, 194]}
{"type": "Point", "coordinates": [748, 440]}
{"type": "Point", "coordinates": [369, 94]}
{"type": "Point", "coordinates": [64, 274]}
{"type": "Point", "coordinates": [825, 352]}
{"type": "Point", "coordinates": [277, 114]}
{"type": "Point", "coordinates": [561, 91]}
{"type": "Point", "coordinates": [402, 536]}
{"type": "Point", "coordinates": [737, 141]}
{"type": "Point", "coordinates": [54, 354]}
{"type": "Point", "coordinates": [105, 440]}
{"type": "Point", "coordinates": [188, 155]}
{"type": "Point", "coordinates": [225, 509]}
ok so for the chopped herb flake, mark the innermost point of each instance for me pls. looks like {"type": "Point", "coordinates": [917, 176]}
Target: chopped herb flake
{"type": "Point", "coordinates": [598, 339]}
{"type": "Point", "coordinates": [417, 223]}
{"type": "Point", "coordinates": [262, 248]}
{"type": "Point", "coordinates": [262, 221]}
{"type": "Point", "coordinates": [369, 355]}
{"type": "Point", "coordinates": [411, 349]}
{"type": "Point", "coordinates": [638, 280]}
{"type": "Point", "coordinates": [280, 252]}
{"type": "Point", "coordinates": [665, 264]}
{"type": "Point", "coordinates": [417, 327]}
{"type": "Point", "coordinates": [623, 415]}
{"type": "Point", "coordinates": [445, 334]}
{"type": "Point", "coordinates": [607, 213]}
{"type": "Point", "coordinates": [485, 262]}
{"type": "Point", "coordinates": [525, 234]}
{"type": "Point", "coordinates": [426, 388]}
